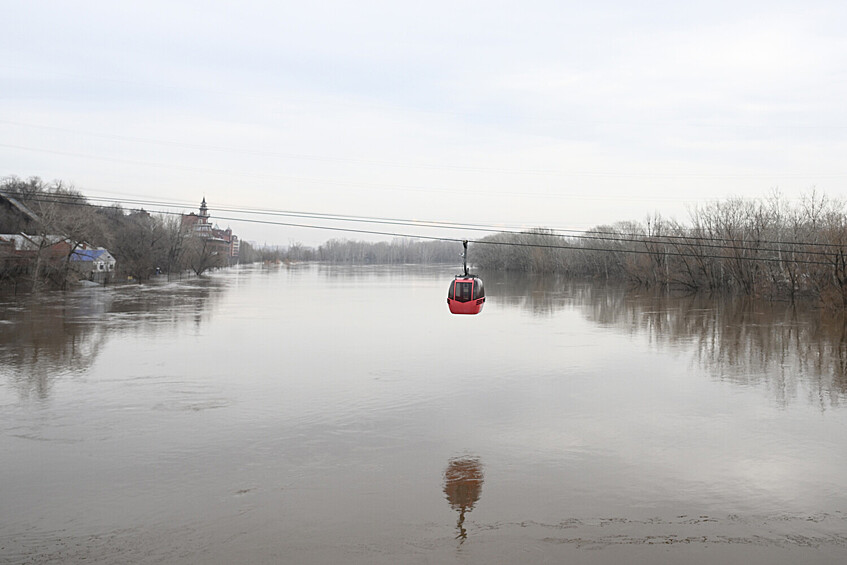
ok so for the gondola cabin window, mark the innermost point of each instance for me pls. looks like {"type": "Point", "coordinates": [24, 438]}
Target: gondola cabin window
{"type": "Point", "coordinates": [464, 291]}
{"type": "Point", "coordinates": [478, 292]}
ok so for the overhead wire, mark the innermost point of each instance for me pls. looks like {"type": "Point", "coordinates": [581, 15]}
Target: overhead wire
{"type": "Point", "coordinates": [551, 246]}
{"type": "Point", "coordinates": [657, 239]}
{"type": "Point", "coordinates": [594, 233]}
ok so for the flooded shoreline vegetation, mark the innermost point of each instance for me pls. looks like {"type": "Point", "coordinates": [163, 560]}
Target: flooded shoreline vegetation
{"type": "Point", "coordinates": [45, 226]}
{"type": "Point", "coordinates": [766, 248]}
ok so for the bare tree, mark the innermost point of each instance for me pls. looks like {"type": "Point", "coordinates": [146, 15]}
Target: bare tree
{"type": "Point", "coordinates": [172, 246]}
{"type": "Point", "coordinates": [65, 222]}
{"type": "Point", "coordinates": [202, 254]}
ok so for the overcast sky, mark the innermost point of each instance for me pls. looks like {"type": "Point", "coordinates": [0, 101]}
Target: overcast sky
{"type": "Point", "coordinates": [555, 114]}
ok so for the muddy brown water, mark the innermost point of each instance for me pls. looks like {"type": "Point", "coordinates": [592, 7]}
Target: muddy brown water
{"type": "Point", "coordinates": [319, 414]}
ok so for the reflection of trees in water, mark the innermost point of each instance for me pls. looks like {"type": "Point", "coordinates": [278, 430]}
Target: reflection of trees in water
{"type": "Point", "coordinates": [39, 340]}
{"type": "Point", "coordinates": [741, 340]}
{"type": "Point", "coordinates": [46, 336]}
{"type": "Point", "coordinates": [356, 273]}
{"type": "Point", "coordinates": [540, 294]}
{"type": "Point", "coordinates": [463, 486]}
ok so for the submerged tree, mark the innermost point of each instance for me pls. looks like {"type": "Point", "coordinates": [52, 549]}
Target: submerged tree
{"type": "Point", "coordinates": [202, 254]}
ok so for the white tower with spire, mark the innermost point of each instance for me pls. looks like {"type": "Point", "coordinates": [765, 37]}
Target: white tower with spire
{"type": "Point", "coordinates": [204, 226]}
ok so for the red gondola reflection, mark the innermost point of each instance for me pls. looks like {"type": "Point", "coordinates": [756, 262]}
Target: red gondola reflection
{"type": "Point", "coordinates": [463, 485]}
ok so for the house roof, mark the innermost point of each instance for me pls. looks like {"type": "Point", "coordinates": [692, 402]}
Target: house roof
{"type": "Point", "coordinates": [89, 255]}
{"type": "Point", "coordinates": [19, 205]}
{"type": "Point", "coordinates": [30, 242]}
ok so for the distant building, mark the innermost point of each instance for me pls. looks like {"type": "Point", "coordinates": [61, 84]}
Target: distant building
{"type": "Point", "coordinates": [230, 238]}
{"type": "Point", "coordinates": [23, 247]}
{"type": "Point", "coordinates": [16, 250]}
{"type": "Point", "coordinates": [224, 241]}
{"type": "Point", "coordinates": [199, 223]}
{"type": "Point", "coordinates": [14, 215]}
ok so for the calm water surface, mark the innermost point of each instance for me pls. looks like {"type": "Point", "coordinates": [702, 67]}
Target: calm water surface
{"type": "Point", "coordinates": [319, 414]}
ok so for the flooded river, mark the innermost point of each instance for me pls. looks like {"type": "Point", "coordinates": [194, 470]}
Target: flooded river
{"type": "Point", "coordinates": [324, 415]}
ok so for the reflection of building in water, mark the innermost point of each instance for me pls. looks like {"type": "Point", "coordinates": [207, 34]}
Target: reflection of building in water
{"type": "Point", "coordinates": [463, 485]}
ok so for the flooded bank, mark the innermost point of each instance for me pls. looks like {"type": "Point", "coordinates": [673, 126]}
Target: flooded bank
{"type": "Point", "coordinates": [321, 414]}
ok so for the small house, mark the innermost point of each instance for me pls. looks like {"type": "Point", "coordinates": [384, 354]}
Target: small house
{"type": "Point", "coordinates": [93, 263]}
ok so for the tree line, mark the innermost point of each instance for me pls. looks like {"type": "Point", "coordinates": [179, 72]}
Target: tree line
{"type": "Point", "coordinates": [771, 247]}
{"type": "Point", "coordinates": [395, 252]}
{"type": "Point", "coordinates": [768, 248]}
{"type": "Point", "coordinates": [144, 244]}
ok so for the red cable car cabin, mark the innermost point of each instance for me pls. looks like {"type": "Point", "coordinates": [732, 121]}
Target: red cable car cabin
{"type": "Point", "coordinates": [466, 295]}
